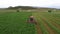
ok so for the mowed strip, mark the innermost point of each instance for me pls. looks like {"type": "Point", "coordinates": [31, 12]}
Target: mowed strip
{"type": "Point", "coordinates": [52, 19]}
{"type": "Point", "coordinates": [42, 27]}
{"type": "Point", "coordinates": [50, 24]}
{"type": "Point", "coordinates": [57, 31]}
{"type": "Point", "coordinates": [54, 23]}
{"type": "Point", "coordinates": [50, 31]}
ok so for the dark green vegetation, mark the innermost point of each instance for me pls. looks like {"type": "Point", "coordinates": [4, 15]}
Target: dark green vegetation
{"type": "Point", "coordinates": [22, 7]}
{"type": "Point", "coordinates": [49, 11]}
{"type": "Point", "coordinates": [17, 11]}
{"type": "Point", "coordinates": [15, 23]}
{"type": "Point", "coordinates": [12, 22]}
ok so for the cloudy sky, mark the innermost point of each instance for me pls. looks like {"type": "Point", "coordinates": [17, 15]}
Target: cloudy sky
{"type": "Point", "coordinates": [38, 3]}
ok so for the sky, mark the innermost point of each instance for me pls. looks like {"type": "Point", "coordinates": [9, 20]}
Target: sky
{"type": "Point", "coordinates": [37, 3]}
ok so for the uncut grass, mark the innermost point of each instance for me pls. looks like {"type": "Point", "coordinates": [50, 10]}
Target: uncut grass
{"type": "Point", "coordinates": [15, 23]}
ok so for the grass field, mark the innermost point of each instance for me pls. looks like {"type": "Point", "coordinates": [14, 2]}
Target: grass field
{"type": "Point", "coordinates": [49, 22]}
{"type": "Point", "coordinates": [15, 22]}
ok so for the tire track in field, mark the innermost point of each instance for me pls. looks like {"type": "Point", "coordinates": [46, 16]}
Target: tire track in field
{"type": "Point", "coordinates": [47, 27]}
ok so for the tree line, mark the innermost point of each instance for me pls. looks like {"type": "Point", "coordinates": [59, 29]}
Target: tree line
{"type": "Point", "coordinates": [21, 7]}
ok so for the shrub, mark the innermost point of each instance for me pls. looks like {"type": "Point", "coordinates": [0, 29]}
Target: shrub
{"type": "Point", "coordinates": [17, 10]}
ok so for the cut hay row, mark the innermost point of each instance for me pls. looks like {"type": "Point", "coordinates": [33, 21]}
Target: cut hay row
{"type": "Point", "coordinates": [53, 27]}
{"type": "Point", "coordinates": [42, 27]}
{"type": "Point", "coordinates": [50, 25]}
{"type": "Point", "coordinates": [48, 22]}
{"type": "Point", "coordinates": [52, 17]}
{"type": "Point", "coordinates": [52, 20]}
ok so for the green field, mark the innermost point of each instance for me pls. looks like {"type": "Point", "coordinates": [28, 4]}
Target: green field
{"type": "Point", "coordinates": [12, 22]}
{"type": "Point", "coordinates": [49, 22]}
